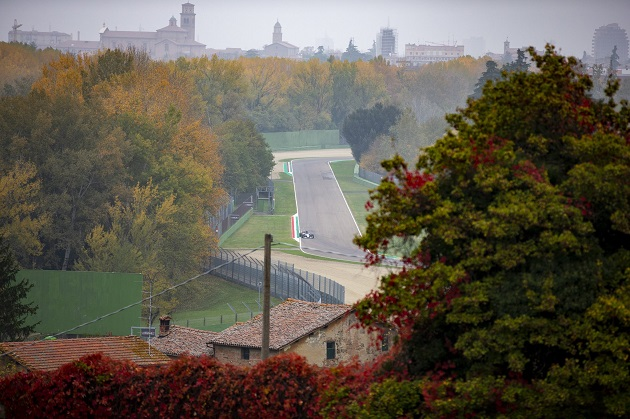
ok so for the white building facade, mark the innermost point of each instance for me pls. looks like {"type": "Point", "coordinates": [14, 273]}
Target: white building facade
{"type": "Point", "coordinates": [419, 55]}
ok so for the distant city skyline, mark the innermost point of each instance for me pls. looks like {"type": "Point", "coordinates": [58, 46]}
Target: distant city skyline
{"type": "Point", "coordinates": [248, 24]}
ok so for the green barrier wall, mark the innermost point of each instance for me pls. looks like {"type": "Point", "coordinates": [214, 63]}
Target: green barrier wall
{"type": "Point", "coordinates": [298, 140]}
{"type": "Point", "coordinates": [68, 299]}
{"type": "Point", "coordinates": [235, 227]}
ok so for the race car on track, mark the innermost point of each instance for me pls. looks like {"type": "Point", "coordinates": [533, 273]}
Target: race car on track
{"type": "Point", "coordinates": [306, 235]}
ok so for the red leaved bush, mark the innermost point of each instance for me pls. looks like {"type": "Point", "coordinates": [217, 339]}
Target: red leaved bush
{"type": "Point", "coordinates": [192, 386]}
{"type": "Point", "coordinates": [284, 386]}
{"type": "Point", "coordinates": [87, 387]}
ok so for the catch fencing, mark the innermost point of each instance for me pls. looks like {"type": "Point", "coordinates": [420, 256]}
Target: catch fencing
{"type": "Point", "coordinates": [286, 281]}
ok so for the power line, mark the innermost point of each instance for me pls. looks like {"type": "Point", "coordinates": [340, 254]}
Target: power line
{"type": "Point", "coordinates": [144, 299]}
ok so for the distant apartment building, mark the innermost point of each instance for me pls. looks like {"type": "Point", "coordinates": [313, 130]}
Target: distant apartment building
{"type": "Point", "coordinates": [280, 48]}
{"type": "Point", "coordinates": [419, 55]}
{"type": "Point", "coordinates": [605, 39]}
{"type": "Point", "coordinates": [387, 43]}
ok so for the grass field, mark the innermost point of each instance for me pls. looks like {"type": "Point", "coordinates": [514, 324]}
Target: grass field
{"type": "Point", "coordinates": [207, 305]}
{"type": "Point", "coordinates": [356, 192]}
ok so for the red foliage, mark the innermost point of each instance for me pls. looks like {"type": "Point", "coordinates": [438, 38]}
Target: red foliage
{"type": "Point", "coordinates": [527, 168]}
{"type": "Point", "coordinates": [284, 386]}
{"type": "Point", "coordinates": [484, 153]}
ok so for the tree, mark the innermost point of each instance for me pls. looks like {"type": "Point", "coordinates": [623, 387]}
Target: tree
{"type": "Point", "coordinates": [14, 311]}
{"type": "Point", "coordinates": [310, 92]}
{"type": "Point", "coordinates": [246, 155]}
{"type": "Point", "coordinates": [520, 64]}
{"type": "Point", "coordinates": [614, 62]}
{"type": "Point", "coordinates": [491, 74]}
{"type": "Point", "coordinates": [21, 217]}
{"type": "Point", "coordinates": [320, 54]}
{"type": "Point", "coordinates": [352, 53]}
{"type": "Point", "coordinates": [363, 126]}
{"type": "Point", "coordinates": [221, 84]}
{"type": "Point", "coordinates": [513, 295]}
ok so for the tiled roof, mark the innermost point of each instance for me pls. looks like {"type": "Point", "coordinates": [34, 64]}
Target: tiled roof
{"type": "Point", "coordinates": [289, 321]}
{"type": "Point", "coordinates": [48, 355]}
{"type": "Point", "coordinates": [179, 340]}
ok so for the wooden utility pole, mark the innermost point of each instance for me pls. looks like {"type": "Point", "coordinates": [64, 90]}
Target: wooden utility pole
{"type": "Point", "coordinates": [264, 354]}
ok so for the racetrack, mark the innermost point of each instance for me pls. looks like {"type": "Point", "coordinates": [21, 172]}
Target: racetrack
{"type": "Point", "coordinates": [356, 278]}
{"type": "Point", "coordinates": [322, 210]}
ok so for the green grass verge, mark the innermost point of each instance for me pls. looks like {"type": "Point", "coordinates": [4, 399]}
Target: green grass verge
{"type": "Point", "coordinates": [252, 233]}
{"type": "Point", "coordinates": [355, 192]}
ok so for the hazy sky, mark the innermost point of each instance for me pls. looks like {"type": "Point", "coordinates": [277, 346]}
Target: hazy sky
{"type": "Point", "coordinates": [247, 24]}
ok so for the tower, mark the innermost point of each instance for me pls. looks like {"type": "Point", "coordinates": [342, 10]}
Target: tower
{"type": "Point", "coordinates": [277, 33]}
{"type": "Point", "coordinates": [387, 42]}
{"type": "Point", "coordinates": [187, 20]}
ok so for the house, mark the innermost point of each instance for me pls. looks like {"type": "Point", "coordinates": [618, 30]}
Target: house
{"type": "Point", "coordinates": [325, 334]}
{"type": "Point", "coordinates": [48, 355]}
{"type": "Point", "coordinates": [175, 341]}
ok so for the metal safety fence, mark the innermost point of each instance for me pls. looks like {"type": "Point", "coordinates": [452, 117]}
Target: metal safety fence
{"type": "Point", "coordinates": [286, 281]}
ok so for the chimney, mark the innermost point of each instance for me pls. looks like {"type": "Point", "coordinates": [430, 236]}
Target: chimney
{"type": "Point", "coordinates": [78, 35]}
{"type": "Point", "coordinates": [165, 324]}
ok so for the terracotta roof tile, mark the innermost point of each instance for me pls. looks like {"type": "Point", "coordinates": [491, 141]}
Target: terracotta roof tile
{"type": "Point", "coordinates": [289, 322]}
{"type": "Point", "coordinates": [179, 340]}
{"type": "Point", "coordinates": [48, 355]}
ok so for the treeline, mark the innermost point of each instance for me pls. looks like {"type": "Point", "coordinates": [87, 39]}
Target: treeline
{"type": "Point", "coordinates": [113, 163]}
{"type": "Point", "coordinates": [117, 162]}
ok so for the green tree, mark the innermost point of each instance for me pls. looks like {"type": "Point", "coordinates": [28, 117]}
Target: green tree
{"type": "Point", "coordinates": [320, 54]}
{"type": "Point", "coordinates": [352, 53]}
{"type": "Point", "coordinates": [491, 74]}
{"type": "Point", "coordinates": [246, 155]}
{"type": "Point", "coordinates": [514, 293]}
{"type": "Point", "coordinates": [520, 64]}
{"type": "Point", "coordinates": [14, 311]}
{"type": "Point", "coordinates": [363, 126]}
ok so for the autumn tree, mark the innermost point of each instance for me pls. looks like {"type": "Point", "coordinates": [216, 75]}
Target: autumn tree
{"type": "Point", "coordinates": [12, 294]}
{"type": "Point", "coordinates": [21, 216]}
{"type": "Point", "coordinates": [20, 66]}
{"type": "Point", "coordinates": [220, 83]}
{"type": "Point", "coordinates": [310, 93]}
{"type": "Point", "coordinates": [267, 100]}
{"type": "Point", "coordinates": [512, 297]}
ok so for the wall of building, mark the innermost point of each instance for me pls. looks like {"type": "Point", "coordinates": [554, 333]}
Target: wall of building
{"type": "Point", "coordinates": [233, 355]}
{"type": "Point", "coordinates": [350, 342]}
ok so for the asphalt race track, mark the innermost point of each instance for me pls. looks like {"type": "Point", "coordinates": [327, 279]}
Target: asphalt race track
{"type": "Point", "coordinates": [322, 210]}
